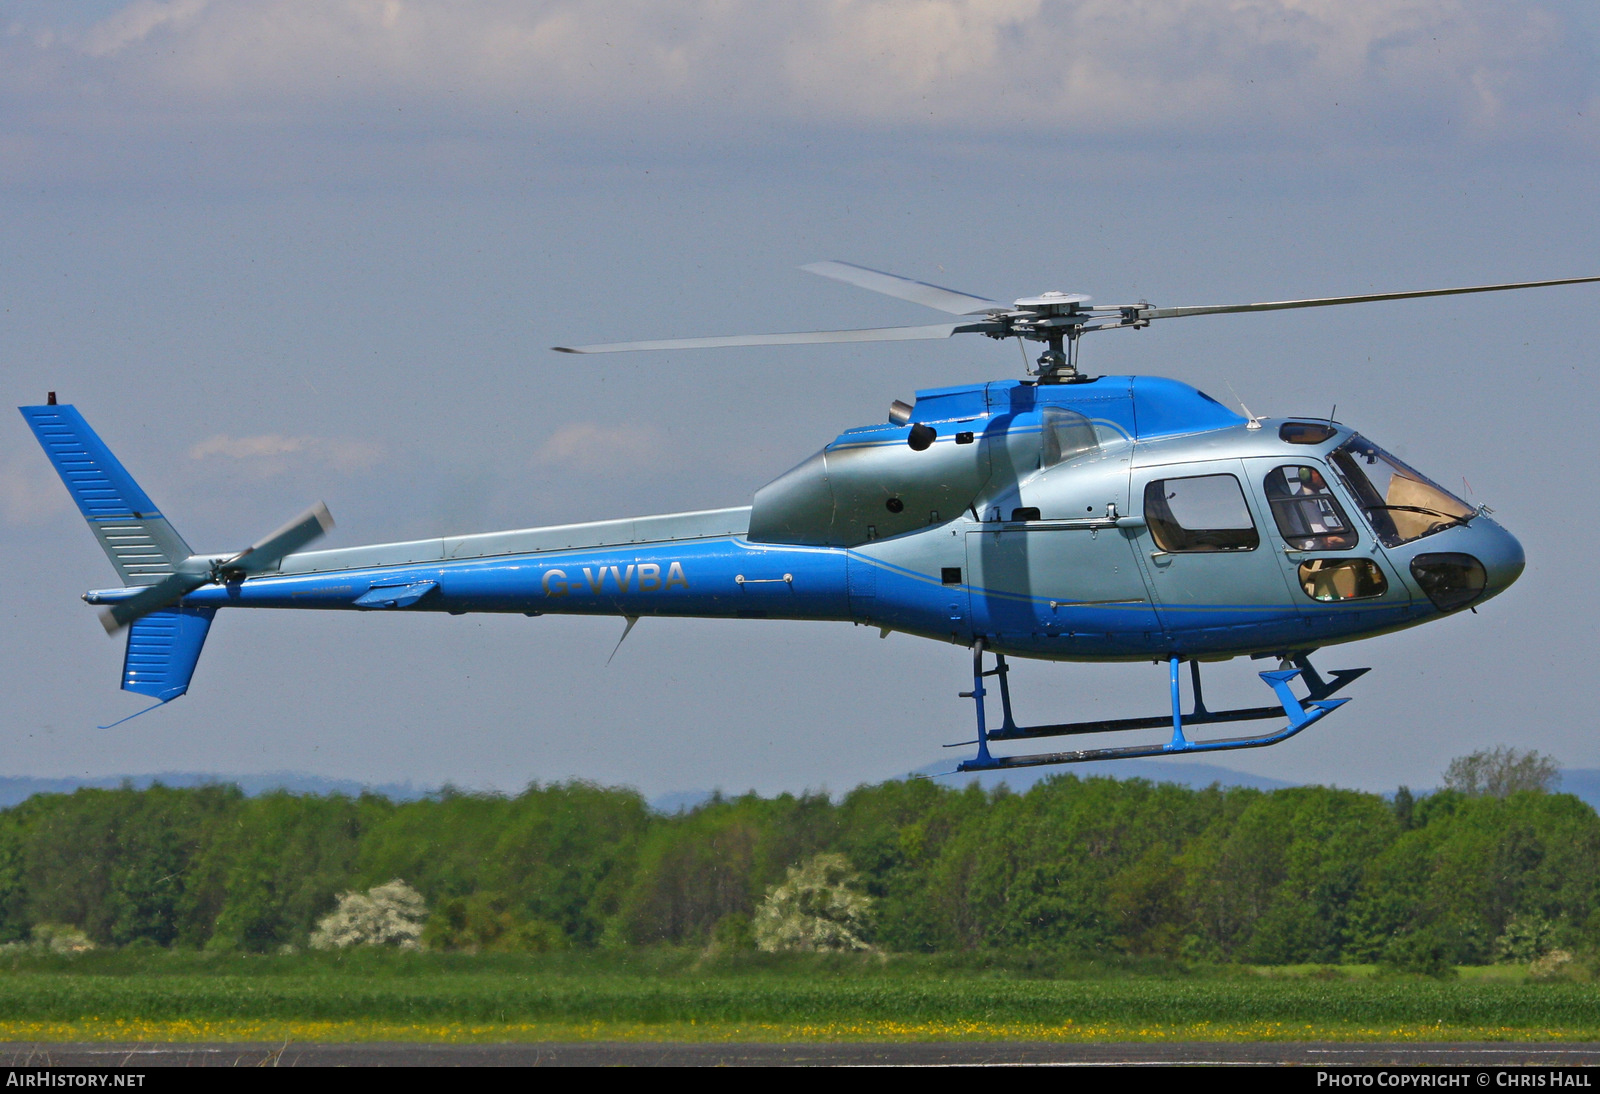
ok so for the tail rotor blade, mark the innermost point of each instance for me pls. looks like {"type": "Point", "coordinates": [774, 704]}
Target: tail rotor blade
{"type": "Point", "coordinates": [266, 553]}
{"type": "Point", "coordinates": [169, 590]}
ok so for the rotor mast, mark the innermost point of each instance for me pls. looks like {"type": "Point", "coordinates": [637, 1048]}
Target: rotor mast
{"type": "Point", "coordinates": [1059, 320]}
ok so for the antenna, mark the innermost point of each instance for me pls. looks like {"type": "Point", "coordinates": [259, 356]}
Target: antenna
{"type": "Point", "coordinates": [632, 619]}
{"type": "Point", "coordinates": [1254, 422]}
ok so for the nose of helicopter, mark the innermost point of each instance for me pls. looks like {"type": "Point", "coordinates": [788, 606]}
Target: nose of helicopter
{"type": "Point", "coordinates": [1501, 555]}
{"type": "Point", "coordinates": [1483, 560]}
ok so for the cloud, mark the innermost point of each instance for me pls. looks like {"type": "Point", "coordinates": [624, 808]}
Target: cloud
{"type": "Point", "coordinates": [1003, 70]}
{"type": "Point", "coordinates": [269, 454]}
{"type": "Point", "coordinates": [28, 496]}
{"type": "Point", "coordinates": [601, 449]}
{"type": "Point", "coordinates": [137, 22]}
{"type": "Point", "coordinates": [247, 448]}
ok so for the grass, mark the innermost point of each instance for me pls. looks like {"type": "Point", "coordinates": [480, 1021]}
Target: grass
{"type": "Point", "coordinates": [673, 995]}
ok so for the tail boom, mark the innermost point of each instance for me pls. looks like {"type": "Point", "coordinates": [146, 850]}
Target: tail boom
{"type": "Point", "coordinates": [723, 577]}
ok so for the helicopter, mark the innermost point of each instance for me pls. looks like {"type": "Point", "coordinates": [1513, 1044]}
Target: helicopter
{"type": "Point", "coordinates": [1058, 516]}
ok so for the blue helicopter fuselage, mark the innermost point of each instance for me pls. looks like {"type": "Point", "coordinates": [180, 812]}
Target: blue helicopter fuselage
{"type": "Point", "coordinates": [1121, 518]}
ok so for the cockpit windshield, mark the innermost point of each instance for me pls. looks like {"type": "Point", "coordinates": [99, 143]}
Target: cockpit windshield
{"type": "Point", "coordinates": [1401, 504]}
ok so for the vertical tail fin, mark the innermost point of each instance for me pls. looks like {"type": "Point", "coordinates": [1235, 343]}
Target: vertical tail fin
{"type": "Point", "coordinates": [155, 564]}
{"type": "Point", "coordinates": [163, 646]}
{"type": "Point", "coordinates": [141, 545]}
{"type": "Point", "coordinates": [163, 649]}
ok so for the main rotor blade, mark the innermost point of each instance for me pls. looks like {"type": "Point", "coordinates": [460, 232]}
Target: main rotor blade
{"type": "Point", "coordinates": [300, 531]}
{"type": "Point", "coordinates": [903, 288]}
{"type": "Point", "coordinates": [1280, 305]}
{"type": "Point", "coordinates": [799, 338]}
{"type": "Point", "coordinates": [169, 590]}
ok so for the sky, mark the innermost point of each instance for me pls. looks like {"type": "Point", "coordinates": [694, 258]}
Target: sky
{"type": "Point", "coordinates": [279, 252]}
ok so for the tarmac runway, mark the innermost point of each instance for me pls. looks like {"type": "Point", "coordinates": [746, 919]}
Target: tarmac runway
{"type": "Point", "coordinates": [677, 1054]}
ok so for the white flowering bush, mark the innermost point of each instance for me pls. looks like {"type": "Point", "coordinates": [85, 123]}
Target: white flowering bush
{"type": "Point", "coordinates": [385, 915]}
{"type": "Point", "coordinates": [1554, 965]}
{"type": "Point", "coordinates": [819, 907]}
{"type": "Point", "coordinates": [53, 938]}
{"type": "Point", "coordinates": [1526, 938]}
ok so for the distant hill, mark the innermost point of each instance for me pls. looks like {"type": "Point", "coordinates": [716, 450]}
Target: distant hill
{"type": "Point", "coordinates": [14, 791]}
{"type": "Point", "coordinates": [1584, 782]}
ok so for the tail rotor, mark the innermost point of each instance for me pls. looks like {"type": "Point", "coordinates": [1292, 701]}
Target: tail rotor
{"type": "Point", "coordinates": [199, 570]}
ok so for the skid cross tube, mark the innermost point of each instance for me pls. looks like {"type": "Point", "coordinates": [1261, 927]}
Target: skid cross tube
{"type": "Point", "coordinates": [1300, 713]}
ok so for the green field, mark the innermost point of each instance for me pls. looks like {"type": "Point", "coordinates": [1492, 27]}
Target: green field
{"type": "Point", "coordinates": [673, 995]}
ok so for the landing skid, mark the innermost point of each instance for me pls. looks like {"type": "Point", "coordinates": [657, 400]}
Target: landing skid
{"type": "Point", "coordinates": [1300, 713]}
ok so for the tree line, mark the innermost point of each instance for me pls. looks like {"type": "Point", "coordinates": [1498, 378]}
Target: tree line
{"type": "Point", "coordinates": [1087, 866]}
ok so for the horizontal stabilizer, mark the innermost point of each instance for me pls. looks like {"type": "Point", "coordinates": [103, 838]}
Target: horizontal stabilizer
{"type": "Point", "coordinates": [163, 649]}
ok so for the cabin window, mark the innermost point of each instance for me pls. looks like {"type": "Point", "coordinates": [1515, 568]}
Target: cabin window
{"type": "Point", "coordinates": [1064, 435]}
{"type": "Point", "coordinates": [1203, 513]}
{"type": "Point", "coordinates": [1308, 515]}
{"type": "Point", "coordinates": [1329, 579]}
{"type": "Point", "coordinates": [1401, 504]}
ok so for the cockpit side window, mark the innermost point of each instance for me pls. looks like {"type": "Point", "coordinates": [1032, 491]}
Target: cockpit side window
{"type": "Point", "coordinates": [1064, 435]}
{"type": "Point", "coordinates": [1307, 514]}
{"type": "Point", "coordinates": [1203, 513]}
{"type": "Point", "coordinates": [1399, 503]}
